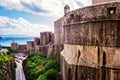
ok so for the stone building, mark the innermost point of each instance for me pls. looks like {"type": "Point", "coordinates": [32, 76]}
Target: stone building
{"type": "Point", "coordinates": [59, 32]}
{"type": "Point", "coordinates": [21, 48]}
{"type": "Point", "coordinates": [36, 41]}
{"type": "Point", "coordinates": [36, 44]}
{"type": "Point", "coordinates": [46, 38]}
{"type": "Point", "coordinates": [18, 47]}
{"type": "Point", "coordinates": [91, 42]}
{"type": "Point", "coordinates": [14, 45]}
{"type": "Point", "coordinates": [30, 46]}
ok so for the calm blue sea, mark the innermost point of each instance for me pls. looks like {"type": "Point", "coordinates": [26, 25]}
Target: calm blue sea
{"type": "Point", "coordinates": [6, 41]}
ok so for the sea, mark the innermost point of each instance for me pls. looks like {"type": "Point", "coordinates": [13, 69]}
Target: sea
{"type": "Point", "coordinates": [6, 41]}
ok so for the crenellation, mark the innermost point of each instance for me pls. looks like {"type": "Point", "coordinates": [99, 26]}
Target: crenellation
{"type": "Point", "coordinates": [93, 13]}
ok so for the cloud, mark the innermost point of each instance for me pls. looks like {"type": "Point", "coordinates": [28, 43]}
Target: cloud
{"type": "Point", "coordinates": [21, 26]}
{"type": "Point", "coordinates": [33, 7]}
{"type": "Point", "coordinates": [43, 7]}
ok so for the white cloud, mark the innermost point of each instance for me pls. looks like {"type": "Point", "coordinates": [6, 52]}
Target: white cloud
{"type": "Point", "coordinates": [43, 7]}
{"type": "Point", "coordinates": [21, 26]}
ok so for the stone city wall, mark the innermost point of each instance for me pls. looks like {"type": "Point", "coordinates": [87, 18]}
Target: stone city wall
{"type": "Point", "coordinates": [59, 32]}
{"type": "Point", "coordinates": [92, 43]}
{"type": "Point", "coordinates": [93, 25]}
{"type": "Point", "coordinates": [46, 38]}
{"type": "Point", "coordinates": [101, 1]}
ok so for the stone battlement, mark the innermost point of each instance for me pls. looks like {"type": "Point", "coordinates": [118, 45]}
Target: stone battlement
{"type": "Point", "coordinates": [96, 25]}
{"type": "Point", "coordinates": [107, 11]}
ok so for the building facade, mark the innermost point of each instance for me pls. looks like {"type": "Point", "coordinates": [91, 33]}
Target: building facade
{"type": "Point", "coordinates": [14, 45]}
{"type": "Point", "coordinates": [91, 43]}
{"type": "Point", "coordinates": [46, 38]}
{"type": "Point", "coordinates": [30, 46]}
{"type": "Point", "coordinates": [36, 41]}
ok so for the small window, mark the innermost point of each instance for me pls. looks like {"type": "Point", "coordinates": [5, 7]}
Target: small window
{"type": "Point", "coordinates": [111, 10]}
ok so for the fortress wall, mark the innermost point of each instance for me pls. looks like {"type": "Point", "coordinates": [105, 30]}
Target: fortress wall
{"type": "Point", "coordinates": [91, 56]}
{"type": "Point", "coordinates": [30, 44]}
{"type": "Point", "coordinates": [75, 72]}
{"type": "Point", "coordinates": [59, 32]}
{"type": "Point", "coordinates": [101, 1]}
{"type": "Point", "coordinates": [103, 33]}
{"type": "Point", "coordinates": [80, 55]}
{"type": "Point", "coordinates": [54, 51]}
{"type": "Point", "coordinates": [46, 38]}
{"type": "Point", "coordinates": [92, 62]}
{"type": "Point", "coordinates": [96, 22]}
{"type": "Point", "coordinates": [93, 13]}
{"type": "Point", "coordinates": [92, 43]}
{"type": "Point", "coordinates": [36, 41]}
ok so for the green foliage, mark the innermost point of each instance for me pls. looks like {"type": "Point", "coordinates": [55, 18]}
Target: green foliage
{"type": "Point", "coordinates": [9, 51]}
{"type": "Point", "coordinates": [1, 64]}
{"type": "Point", "coordinates": [41, 77]}
{"type": "Point", "coordinates": [39, 67]}
{"type": "Point", "coordinates": [4, 57]}
{"type": "Point", "coordinates": [52, 64]}
{"type": "Point", "coordinates": [52, 74]}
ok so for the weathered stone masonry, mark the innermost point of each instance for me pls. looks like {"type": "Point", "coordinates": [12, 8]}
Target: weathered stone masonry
{"type": "Point", "coordinates": [91, 43]}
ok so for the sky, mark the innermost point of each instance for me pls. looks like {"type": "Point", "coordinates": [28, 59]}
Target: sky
{"type": "Point", "coordinates": [25, 19]}
{"type": "Point", "coordinates": [30, 17]}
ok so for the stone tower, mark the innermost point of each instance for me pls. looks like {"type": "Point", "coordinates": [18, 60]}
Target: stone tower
{"type": "Point", "coordinates": [91, 42]}
{"type": "Point", "coordinates": [45, 38]}
{"type": "Point", "coordinates": [14, 45]}
{"type": "Point", "coordinates": [36, 41]}
{"type": "Point", "coordinates": [30, 45]}
{"type": "Point", "coordinates": [101, 1]}
{"type": "Point", "coordinates": [66, 9]}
